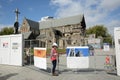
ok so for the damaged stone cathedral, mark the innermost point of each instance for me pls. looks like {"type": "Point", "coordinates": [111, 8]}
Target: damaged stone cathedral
{"type": "Point", "coordinates": [68, 31]}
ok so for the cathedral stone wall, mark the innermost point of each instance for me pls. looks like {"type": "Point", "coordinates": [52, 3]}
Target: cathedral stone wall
{"type": "Point", "coordinates": [64, 31]}
{"type": "Point", "coordinates": [70, 35]}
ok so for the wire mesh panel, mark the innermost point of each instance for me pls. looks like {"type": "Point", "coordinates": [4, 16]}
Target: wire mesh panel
{"type": "Point", "coordinates": [97, 62]}
{"type": "Point", "coordinates": [29, 50]}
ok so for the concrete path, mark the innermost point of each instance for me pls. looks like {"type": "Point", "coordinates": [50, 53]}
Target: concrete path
{"type": "Point", "coordinates": [33, 73]}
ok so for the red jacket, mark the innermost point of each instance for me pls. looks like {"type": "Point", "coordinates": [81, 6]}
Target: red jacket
{"type": "Point", "coordinates": [107, 60]}
{"type": "Point", "coordinates": [53, 54]}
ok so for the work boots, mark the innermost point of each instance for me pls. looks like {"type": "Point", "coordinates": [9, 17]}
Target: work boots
{"type": "Point", "coordinates": [54, 74]}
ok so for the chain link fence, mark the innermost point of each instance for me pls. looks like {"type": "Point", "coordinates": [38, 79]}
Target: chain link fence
{"type": "Point", "coordinates": [97, 61]}
{"type": "Point", "coordinates": [29, 50]}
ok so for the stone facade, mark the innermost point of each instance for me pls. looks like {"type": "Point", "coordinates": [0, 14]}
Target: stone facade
{"type": "Point", "coordinates": [30, 26]}
{"type": "Point", "coordinates": [65, 31]}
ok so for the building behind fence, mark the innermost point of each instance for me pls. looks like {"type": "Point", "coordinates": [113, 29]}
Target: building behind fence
{"type": "Point", "coordinates": [69, 31]}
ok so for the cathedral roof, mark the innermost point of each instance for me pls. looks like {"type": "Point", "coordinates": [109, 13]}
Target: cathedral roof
{"type": "Point", "coordinates": [26, 35]}
{"type": "Point", "coordinates": [61, 22]}
{"type": "Point", "coordinates": [33, 24]}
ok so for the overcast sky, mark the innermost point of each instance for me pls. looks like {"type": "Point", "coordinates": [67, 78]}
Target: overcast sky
{"type": "Point", "coordinates": [96, 12]}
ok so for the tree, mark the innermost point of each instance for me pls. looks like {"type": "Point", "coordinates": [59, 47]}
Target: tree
{"type": "Point", "coordinates": [100, 30]}
{"type": "Point", "coordinates": [7, 31]}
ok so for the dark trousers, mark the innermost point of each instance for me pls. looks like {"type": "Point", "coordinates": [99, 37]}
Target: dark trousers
{"type": "Point", "coordinates": [54, 63]}
{"type": "Point", "coordinates": [28, 60]}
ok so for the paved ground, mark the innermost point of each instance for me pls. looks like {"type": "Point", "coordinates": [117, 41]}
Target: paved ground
{"type": "Point", "coordinates": [33, 73]}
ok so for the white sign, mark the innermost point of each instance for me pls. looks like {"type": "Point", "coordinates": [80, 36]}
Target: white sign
{"type": "Point", "coordinates": [16, 49]}
{"type": "Point", "coordinates": [94, 40]}
{"type": "Point", "coordinates": [40, 58]}
{"type": "Point", "coordinates": [77, 62]}
{"type": "Point", "coordinates": [77, 57]}
{"type": "Point", "coordinates": [8, 54]}
{"type": "Point", "coordinates": [106, 47]}
{"type": "Point", "coordinates": [117, 48]}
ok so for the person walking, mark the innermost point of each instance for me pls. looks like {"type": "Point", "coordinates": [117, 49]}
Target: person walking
{"type": "Point", "coordinates": [54, 56]}
{"type": "Point", "coordinates": [28, 56]}
{"type": "Point", "coordinates": [107, 63]}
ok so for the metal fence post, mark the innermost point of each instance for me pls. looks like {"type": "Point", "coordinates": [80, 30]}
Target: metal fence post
{"type": "Point", "coordinates": [30, 52]}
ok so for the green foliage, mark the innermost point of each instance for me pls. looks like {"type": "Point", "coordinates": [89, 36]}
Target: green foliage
{"type": "Point", "coordinates": [7, 31]}
{"type": "Point", "coordinates": [107, 39]}
{"type": "Point", "coordinates": [100, 30]}
{"type": "Point", "coordinates": [62, 51]}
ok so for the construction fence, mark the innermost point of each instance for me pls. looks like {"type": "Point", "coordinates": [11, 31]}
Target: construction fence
{"type": "Point", "coordinates": [97, 62]}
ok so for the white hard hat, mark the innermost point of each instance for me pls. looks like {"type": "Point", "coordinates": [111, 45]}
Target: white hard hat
{"type": "Point", "coordinates": [55, 44]}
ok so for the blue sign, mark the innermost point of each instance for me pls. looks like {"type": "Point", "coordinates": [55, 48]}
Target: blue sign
{"type": "Point", "coordinates": [77, 51]}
